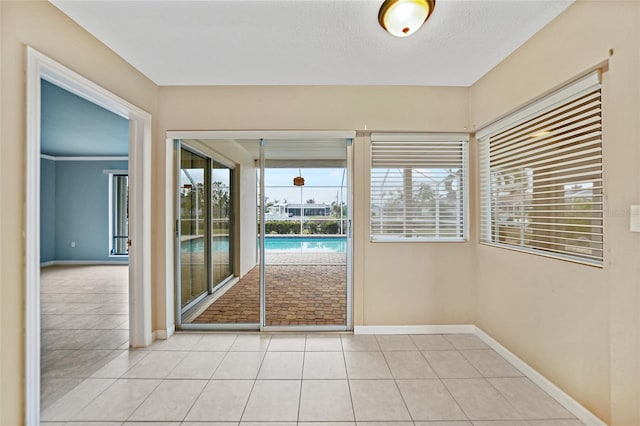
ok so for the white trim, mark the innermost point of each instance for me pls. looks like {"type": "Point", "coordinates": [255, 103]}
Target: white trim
{"type": "Point", "coordinates": [115, 172]}
{"type": "Point", "coordinates": [94, 158]}
{"type": "Point", "coordinates": [208, 151]}
{"type": "Point", "coordinates": [415, 329]}
{"type": "Point", "coordinates": [40, 67]}
{"type": "Point", "coordinates": [573, 406]}
{"type": "Point", "coordinates": [420, 137]}
{"type": "Point", "coordinates": [572, 90]}
{"type": "Point", "coordinates": [32, 243]}
{"type": "Point", "coordinates": [84, 262]}
{"type": "Point", "coordinates": [263, 134]}
{"type": "Point", "coordinates": [303, 328]}
{"type": "Point", "coordinates": [164, 334]}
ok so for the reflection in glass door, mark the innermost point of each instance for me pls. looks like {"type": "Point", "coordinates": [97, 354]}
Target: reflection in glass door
{"type": "Point", "coordinates": [205, 239]}
{"type": "Point", "coordinates": [221, 223]}
{"type": "Point", "coordinates": [194, 249]}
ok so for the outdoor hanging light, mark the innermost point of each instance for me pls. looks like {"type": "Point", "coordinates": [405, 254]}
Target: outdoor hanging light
{"type": "Point", "coordinates": [402, 18]}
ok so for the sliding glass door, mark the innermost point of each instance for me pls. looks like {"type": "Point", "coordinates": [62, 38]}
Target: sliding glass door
{"type": "Point", "coordinates": [288, 270]}
{"type": "Point", "coordinates": [204, 233]}
{"type": "Point", "coordinates": [221, 223]}
{"type": "Point", "coordinates": [193, 227]}
{"type": "Point", "coordinates": [306, 235]}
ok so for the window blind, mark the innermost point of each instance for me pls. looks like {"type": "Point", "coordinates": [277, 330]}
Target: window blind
{"type": "Point", "coordinates": [541, 176]}
{"type": "Point", "coordinates": [418, 187]}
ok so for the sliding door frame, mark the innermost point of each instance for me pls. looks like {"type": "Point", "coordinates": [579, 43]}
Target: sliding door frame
{"type": "Point", "coordinates": [174, 139]}
{"type": "Point", "coordinates": [349, 284]}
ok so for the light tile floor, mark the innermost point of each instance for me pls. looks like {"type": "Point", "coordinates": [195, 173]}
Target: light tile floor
{"type": "Point", "coordinates": [331, 379]}
{"type": "Point", "coordinates": [85, 324]}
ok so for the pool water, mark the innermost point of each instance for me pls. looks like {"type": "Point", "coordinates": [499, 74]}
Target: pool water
{"type": "Point", "coordinates": [294, 244]}
{"type": "Point", "coordinates": [197, 245]}
{"type": "Point", "coordinates": [305, 244]}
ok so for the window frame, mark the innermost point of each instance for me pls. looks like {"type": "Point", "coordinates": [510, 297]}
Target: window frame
{"type": "Point", "coordinates": [112, 175]}
{"type": "Point", "coordinates": [454, 138]}
{"type": "Point", "coordinates": [588, 83]}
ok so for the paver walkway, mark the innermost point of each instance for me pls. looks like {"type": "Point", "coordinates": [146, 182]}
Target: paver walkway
{"type": "Point", "coordinates": [295, 295]}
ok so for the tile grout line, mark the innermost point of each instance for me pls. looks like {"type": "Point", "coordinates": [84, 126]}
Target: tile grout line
{"type": "Point", "coordinates": [161, 380]}
{"type": "Point", "coordinates": [141, 402]}
{"type": "Point", "coordinates": [395, 382]}
{"type": "Point", "coordinates": [482, 377]}
{"type": "Point", "coordinates": [304, 355]}
{"type": "Point", "coordinates": [208, 380]}
{"type": "Point", "coordinates": [440, 379]}
{"type": "Point", "coordinates": [344, 359]}
{"type": "Point", "coordinates": [264, 354]}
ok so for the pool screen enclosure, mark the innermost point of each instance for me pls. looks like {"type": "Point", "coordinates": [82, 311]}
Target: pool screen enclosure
{"type": "Point", "coordinates": [304, 234]}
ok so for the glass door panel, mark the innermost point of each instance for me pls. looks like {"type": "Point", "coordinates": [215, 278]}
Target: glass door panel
{"type": "Point", "coordinates": [305, 242]}
{"type": "Point", "coordinates": [193, 228]}
{"type": "Point", "coordinates": [221, 223]}
{"type": "Point", "coordinates": [211, 296]}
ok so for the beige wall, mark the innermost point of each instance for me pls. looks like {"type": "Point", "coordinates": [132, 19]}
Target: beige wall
{"type": "Point", "coordinates": [41, 25]}
{"type": "Point", "coordinates": [577, 325]}
{"type": "Point", "coordinates": [394, 283]}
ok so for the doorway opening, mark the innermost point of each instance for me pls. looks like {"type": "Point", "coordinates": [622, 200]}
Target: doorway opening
{"type": "Point", "coordinates": [290, 241]}
{"type": "Point", "coordinates": [42, 71]}
{"type": "Point", "coordinates": [304, 234]}
{"type": "Point", "coordinates": [83, 239]}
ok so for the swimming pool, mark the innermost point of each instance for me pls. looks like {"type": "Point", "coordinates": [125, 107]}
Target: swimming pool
{"type": "Point", "coordinates": [301, 244]}
{"type": "Point", "coordinates": [288, 244]}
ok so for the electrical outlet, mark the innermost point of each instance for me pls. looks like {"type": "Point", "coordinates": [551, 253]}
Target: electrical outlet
{"type": "Point", "coordinates": [73, 244]}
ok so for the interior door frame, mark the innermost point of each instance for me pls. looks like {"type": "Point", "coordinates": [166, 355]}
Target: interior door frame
{"type": "Point", "coordinates": [39, 66]}
{"type": "Point", "coordinates": [170, 259]}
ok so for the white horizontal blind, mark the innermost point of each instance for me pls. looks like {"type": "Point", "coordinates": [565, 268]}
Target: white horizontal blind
{"type": "Point", "coordinates": [541, 179]}
{"type": "Point", "coordinates": [418, 187]}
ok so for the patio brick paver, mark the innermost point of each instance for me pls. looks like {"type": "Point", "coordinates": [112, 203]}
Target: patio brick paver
{"type": "Point", "coordinates": [296, 295]}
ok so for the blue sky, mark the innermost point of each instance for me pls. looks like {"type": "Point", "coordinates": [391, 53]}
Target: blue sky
{"type": "Point", "coordinates": [323, 185]}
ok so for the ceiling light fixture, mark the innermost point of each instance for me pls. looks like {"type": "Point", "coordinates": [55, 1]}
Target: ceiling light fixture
{"type": "Point", "coordinates": [402, 18]}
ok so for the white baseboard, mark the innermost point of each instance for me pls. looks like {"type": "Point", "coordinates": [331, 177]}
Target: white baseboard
{"type": "Point", "coordinates": [414, 329]}
{"type": "Point", "coordinates": [171, 330]}
{"type": "Point", "coordinates": [164, 334]}
{"type": "Point", "coordinates": [573, 406]}
{"type": "Point", "coordinates": [159, 335]}
{"type": "Point", "coordinates": [84, 262]}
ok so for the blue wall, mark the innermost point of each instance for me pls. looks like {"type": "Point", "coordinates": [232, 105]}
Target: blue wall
{"type": "Point", "coordinates": [81, 210]}
{"type": "Point", "coordinates": [72, 126]}
{"type": "Point", "coordinates": [47, 210]}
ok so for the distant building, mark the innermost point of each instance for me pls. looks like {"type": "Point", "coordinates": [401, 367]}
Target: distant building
{"type": "Point", "coordinates": [314, 209]}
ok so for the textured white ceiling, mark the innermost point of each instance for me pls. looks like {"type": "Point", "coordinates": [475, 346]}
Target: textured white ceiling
{"type": "Point", "coordinates": [309, 42]}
